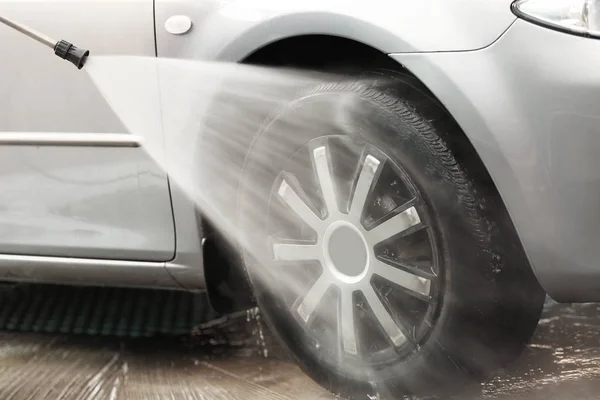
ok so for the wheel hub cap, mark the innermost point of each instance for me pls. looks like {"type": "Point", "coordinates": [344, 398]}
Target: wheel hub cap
{"type": "Point", "coordinates": [347, 250]}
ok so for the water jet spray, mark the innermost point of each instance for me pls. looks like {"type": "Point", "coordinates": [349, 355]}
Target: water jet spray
{"type": "Point", "coordinates": [62, 48]}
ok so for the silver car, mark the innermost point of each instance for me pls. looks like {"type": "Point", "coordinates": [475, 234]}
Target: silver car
{"type": "Point", "coordinates": [473, 190]}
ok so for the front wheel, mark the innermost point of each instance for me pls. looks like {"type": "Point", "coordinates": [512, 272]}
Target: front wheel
{"type": "Point", "coordinates": [372, 250]}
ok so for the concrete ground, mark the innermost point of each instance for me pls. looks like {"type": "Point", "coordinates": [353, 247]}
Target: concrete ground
{"type": "Point", "coordinates": [236, 359]}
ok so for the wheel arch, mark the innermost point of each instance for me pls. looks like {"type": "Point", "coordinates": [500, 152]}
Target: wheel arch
{"type": "Point", "coordinates": [302, 24]}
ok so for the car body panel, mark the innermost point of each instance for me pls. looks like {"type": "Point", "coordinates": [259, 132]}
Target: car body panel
{"type": "Point", "coordinates": [187, 267]}
{"type": "Point", "coordinates": [88, 202]}
{"type": "Point", "coordinates": [530, 104]}
{"type": "Point", "coordinates": [157, 92]}
{"type": "Point", "coordinates": [96, 202]}
{"type": "Point", "coordinates": [231, 30]}
{"type": "Point", "coordinates": [535, 127]}
{"type": "Point", "coordinates": [86, 271]}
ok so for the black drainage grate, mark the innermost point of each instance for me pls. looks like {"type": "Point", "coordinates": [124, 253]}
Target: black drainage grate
{"type": "Point", "coordinates": [102, 311]}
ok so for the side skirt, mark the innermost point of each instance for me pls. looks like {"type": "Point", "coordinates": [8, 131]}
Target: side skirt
{"type": "Point", "coordinates": [84, 271]}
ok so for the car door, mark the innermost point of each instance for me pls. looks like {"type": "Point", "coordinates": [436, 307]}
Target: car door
{"type": "Point", "coordinates": [76, 198]}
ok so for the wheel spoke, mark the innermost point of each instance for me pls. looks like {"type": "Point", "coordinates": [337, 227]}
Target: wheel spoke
{"type": "Point", "coordinates": [402, 278]}
{"type": "Point", "coordinates": [313, 298]}
{"type": "Point", "coordinates": [347, 328]}
{"type": "Point", "coordinates": [295, 252]}
{"type": "Point", "coordinates": [395, 225]}
{"type": "Point", "coordinates": [384, 318]}
{"type": "Point", "coordinates": [363, 185]}
{"type": "Point", "coordinates": [325, 179]}
{"type": "Point", "coordinates": [291, 198]}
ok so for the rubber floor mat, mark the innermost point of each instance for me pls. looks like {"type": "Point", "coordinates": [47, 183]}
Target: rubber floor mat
{"type": "Point", "coordinates": [101, 311]}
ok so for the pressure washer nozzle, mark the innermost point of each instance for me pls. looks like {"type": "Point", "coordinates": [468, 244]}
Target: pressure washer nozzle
{"type": "Point", "coordinates": [62, 48]}
{"type": "Point", "coordinates": [72, 53]}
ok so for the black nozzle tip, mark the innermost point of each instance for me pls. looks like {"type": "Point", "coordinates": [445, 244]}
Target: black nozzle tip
{"type": "Point", "coordinates": [71, 53]}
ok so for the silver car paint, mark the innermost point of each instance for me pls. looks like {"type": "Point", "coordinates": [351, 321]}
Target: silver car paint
{"type": "Point", "coordinates": [530, 104]}
{"type": "Point", "coordinates": [71, 202]}
{"type": "Point", "coordinates": [77, 271]}
{"type": "Point", "coordinates": [187, 267]}
{"type": "Point", "coordinates": [231, 30]}
{"type": "Point", "coordinates": [92, 202]}
{"type": "Point", "coordinates": [515, 112]}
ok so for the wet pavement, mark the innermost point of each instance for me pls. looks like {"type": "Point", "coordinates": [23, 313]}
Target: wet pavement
{"type": "Point", "coordinates": [235, 358]}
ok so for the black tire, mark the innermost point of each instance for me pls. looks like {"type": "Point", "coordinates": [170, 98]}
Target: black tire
{"type": "Point", "coordinates": [487, 301]}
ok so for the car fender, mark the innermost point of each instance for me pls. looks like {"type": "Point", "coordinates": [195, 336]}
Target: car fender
{"type": "Point", "coordinates": [230, 31]}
